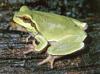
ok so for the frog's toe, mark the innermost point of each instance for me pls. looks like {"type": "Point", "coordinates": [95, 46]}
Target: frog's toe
{"type": "Point", "coordinates": [27, 39]}
{"type": "Point", "coordinates": [49, 59]}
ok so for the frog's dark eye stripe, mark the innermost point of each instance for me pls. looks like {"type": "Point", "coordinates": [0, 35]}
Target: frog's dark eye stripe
{"type": "Point", "coordinates": [25, 19]}
{"type": "Point", "coordinates": [28, 20]}
{"type": "Point", "coordinates": [33, 25]}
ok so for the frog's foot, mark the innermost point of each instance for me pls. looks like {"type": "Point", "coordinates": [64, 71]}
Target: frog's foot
{"type": "Point", "coordinates": [49, 59]}
{"type": "Point", "coordinates": [30, 37]}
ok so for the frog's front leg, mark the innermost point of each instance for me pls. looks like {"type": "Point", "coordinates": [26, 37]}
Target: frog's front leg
{"type": "Point", "coordinates": [29, 36]}
{"type": "Point", "coordinates": [41, 42]}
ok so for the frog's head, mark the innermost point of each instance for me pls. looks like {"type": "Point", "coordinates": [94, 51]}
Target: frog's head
{"type": "Point", "coordinates": [24, 19]}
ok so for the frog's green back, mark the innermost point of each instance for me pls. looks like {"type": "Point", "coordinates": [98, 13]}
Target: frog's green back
{"type": "Point", "coordinates": [54, 27]}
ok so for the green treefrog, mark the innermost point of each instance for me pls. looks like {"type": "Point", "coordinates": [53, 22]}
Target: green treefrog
{"type": "Point", "coordinates": [64, 35]}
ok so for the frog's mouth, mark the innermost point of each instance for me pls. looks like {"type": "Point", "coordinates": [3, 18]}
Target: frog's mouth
{"type": "Point", "coordinates": [14, 26]}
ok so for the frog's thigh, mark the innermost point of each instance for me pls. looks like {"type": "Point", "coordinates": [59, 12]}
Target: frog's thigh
{"type": "Point", "coordinates": [66, 46]}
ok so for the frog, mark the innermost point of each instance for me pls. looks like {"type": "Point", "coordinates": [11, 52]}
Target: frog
{"type": "Point", "coordinates": [62, 34]}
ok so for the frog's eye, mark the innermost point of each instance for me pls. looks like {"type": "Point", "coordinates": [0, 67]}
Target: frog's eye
{"type": "Point", "coordinates": [25, 19]}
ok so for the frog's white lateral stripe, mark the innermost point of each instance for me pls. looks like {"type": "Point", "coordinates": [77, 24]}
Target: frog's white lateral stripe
{"type": "Point", "coordinates": [67, 37]}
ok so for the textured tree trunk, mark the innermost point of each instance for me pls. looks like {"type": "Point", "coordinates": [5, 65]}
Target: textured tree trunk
{"type": "Point", "coordinates": [95, 5]}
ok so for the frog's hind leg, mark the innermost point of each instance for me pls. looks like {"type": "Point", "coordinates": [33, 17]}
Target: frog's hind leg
{"type": "Point", "coordinates": [61, 48]}
{"type": "Point", "coordinates": [50, 59]}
